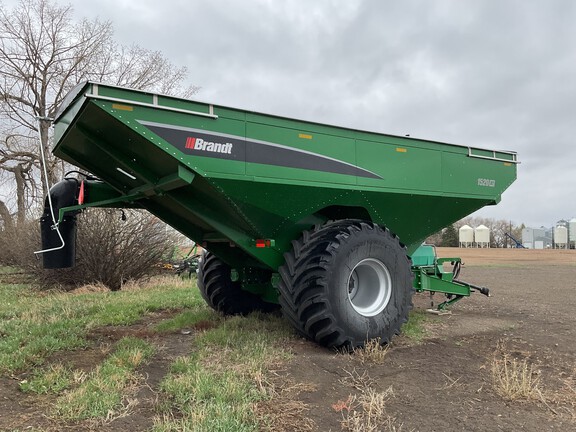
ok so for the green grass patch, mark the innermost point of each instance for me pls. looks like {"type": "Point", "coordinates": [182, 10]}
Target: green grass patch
{"type": "Point", "coordinates": [8, 270]}
{"type": "Point", "coordinates": [415, 329]}
{"type": "Point", "coordinates": [215, 389]}
{"type": "Point", "coordinates": [53, 379]}
{"type": "Point", "coordinates": [15, 298]}
{"type": "Point", "coordinates": [211, 400]}
{"type": "Point", "coordinates": [102, 392]}
{"type": "Point", "coordinates": [34, 326]}
{"type": "Point", "coordinates": [187, 319]}
{"type": "Point", "coordinates": [241, 332]}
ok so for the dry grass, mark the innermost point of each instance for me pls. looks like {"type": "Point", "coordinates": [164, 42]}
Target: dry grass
{"type": "Point", "coordinates": [372, 353]}
{"type": "Point", "coordinates": [512, 378]}
{"type": "Point", "coordinates": [164, 280]}
{"type": "Point", "coordinates": [564, 399]}
{"type": "Point", "coordinates": [284, 414]}
{"type": "Point", "coordinates": [517, 380]}
{"type": "Point", "coordinates": [450, 382]}
{"type": "Point", "coordinates": [366, 412]}
{"type": "Point", "coordinates": [90, 288]}
{"type": "Point", "coordinates": [282, 411]}
{"type": "Point", "coordinates": [357, 380]}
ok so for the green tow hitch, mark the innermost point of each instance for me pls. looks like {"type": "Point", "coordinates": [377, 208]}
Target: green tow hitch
{"type": "Point", "coordinates": [429, 275]}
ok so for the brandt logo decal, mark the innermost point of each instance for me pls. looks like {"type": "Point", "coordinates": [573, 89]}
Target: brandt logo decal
{"type": "Point", "coordinates": [203, 143]}
{"type": "Point", "coordinates": [208, 146]}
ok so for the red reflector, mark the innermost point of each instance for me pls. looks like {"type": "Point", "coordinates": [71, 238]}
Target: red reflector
{"type": "Point", "coordinates": [81, 193]}
{"type": "Point", "coordinates": [263, 243]}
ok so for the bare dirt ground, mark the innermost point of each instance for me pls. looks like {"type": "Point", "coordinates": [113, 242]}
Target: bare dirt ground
{"type": "Point", "coordinates": [443, 383]}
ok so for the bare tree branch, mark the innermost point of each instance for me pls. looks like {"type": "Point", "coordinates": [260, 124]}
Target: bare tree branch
{"type": "Point", "coordinates": [44, 53]}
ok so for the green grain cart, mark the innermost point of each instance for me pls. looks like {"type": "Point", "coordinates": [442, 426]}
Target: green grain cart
{"type": "Point", "coordinates": [323, 222]}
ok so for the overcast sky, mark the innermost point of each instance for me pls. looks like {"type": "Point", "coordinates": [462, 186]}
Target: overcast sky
{"type": "Point", "coordinates": [490, 73]}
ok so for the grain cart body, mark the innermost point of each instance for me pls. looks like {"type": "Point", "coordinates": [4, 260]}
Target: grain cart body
{"type": "Point", "coordinates": [256, 189]}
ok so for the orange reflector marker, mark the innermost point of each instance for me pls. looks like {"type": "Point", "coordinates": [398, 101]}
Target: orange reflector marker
{"type": "Point", "coordinates": [401, 150]}
{"type": "Point", "coordinates": [265, 243]}
{"type": "Point", "coordinates": [81, 193]}
{"type": "Point", "coordinates": [507, 164]}
{"type": "Point", "coordinates": [123, 107]}
{"type": "Point", "coordinates": [304, 136]}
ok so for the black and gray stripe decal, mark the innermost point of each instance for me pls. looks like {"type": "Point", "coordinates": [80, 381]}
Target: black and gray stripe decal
{"type": "Point", "coordinates": [232, 147]}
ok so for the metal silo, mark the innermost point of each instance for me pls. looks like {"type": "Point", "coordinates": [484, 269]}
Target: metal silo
{"type": "Point", "coordinates": [572, 233]}
{"type": "Point", "coordinates": [466, 236]}
{"type": "Point", "coordinates": [528, 238]}
{"type": "Point", "coordinates": [482, 236]}
{"type": "Point", "coordinates": [560, 237]}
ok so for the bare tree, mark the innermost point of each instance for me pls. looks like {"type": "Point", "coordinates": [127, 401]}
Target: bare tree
{"type": "Point", "coordinates": [140, 68]}
{"type": "Point", "coordinates": [44, 53]}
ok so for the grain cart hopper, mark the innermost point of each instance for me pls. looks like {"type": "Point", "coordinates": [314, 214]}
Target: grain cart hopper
{"type": "Point", "coordinates": [322, 221]}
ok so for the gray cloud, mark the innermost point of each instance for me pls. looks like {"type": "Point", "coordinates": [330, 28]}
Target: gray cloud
{"type": "Point", "coordinates": [496, 74]}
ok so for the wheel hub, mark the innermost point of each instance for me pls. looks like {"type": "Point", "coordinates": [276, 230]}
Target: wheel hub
{"type": "Point", "coordinates": [369, 287]}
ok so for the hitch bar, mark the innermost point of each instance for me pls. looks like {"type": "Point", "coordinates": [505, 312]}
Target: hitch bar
{"type": "Point", "coordinates": [429, 275]}
{"type": "Point", "coordinates": [481, 290]}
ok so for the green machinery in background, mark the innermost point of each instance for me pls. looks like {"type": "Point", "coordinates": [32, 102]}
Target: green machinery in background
{"type": "Point", "coordinates": [325, 222]}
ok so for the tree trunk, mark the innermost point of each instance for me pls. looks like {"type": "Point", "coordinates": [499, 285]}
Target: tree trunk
{"type": "Point", "coordinates": [19, 171]}
{"type": "Point", "coordinates": [6, 217]}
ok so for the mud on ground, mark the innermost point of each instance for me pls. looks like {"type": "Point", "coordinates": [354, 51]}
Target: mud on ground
{"type": "Point", "coordinates": [443, 383]}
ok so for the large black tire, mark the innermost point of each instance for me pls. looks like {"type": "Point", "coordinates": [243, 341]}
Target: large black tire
{"type": "Point", "coordinates": [347, 282]}
{"type": "Point", "coordinates": [224, 295]}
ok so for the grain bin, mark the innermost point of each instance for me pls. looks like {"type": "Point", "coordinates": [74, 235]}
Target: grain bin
{"type": "Point", "coordinates": [482, 236]}
{"type": "Point", "coordinates": [560, 237]}
{"type": "Point", "coordinates": [466, 236]}
{"type": "Point", "coordinates": [572, 233]}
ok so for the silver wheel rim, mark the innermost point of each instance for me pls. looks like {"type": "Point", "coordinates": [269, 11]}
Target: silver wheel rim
{"type": "Point", "coordinates": [369, 287]}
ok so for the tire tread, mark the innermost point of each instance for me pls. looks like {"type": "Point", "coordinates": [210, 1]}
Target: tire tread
{"type": "Point", "coordinates": [304, 295]}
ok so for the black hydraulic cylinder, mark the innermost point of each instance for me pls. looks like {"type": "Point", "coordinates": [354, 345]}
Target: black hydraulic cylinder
{"type": "Point", "coordinates": [63, 194]}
